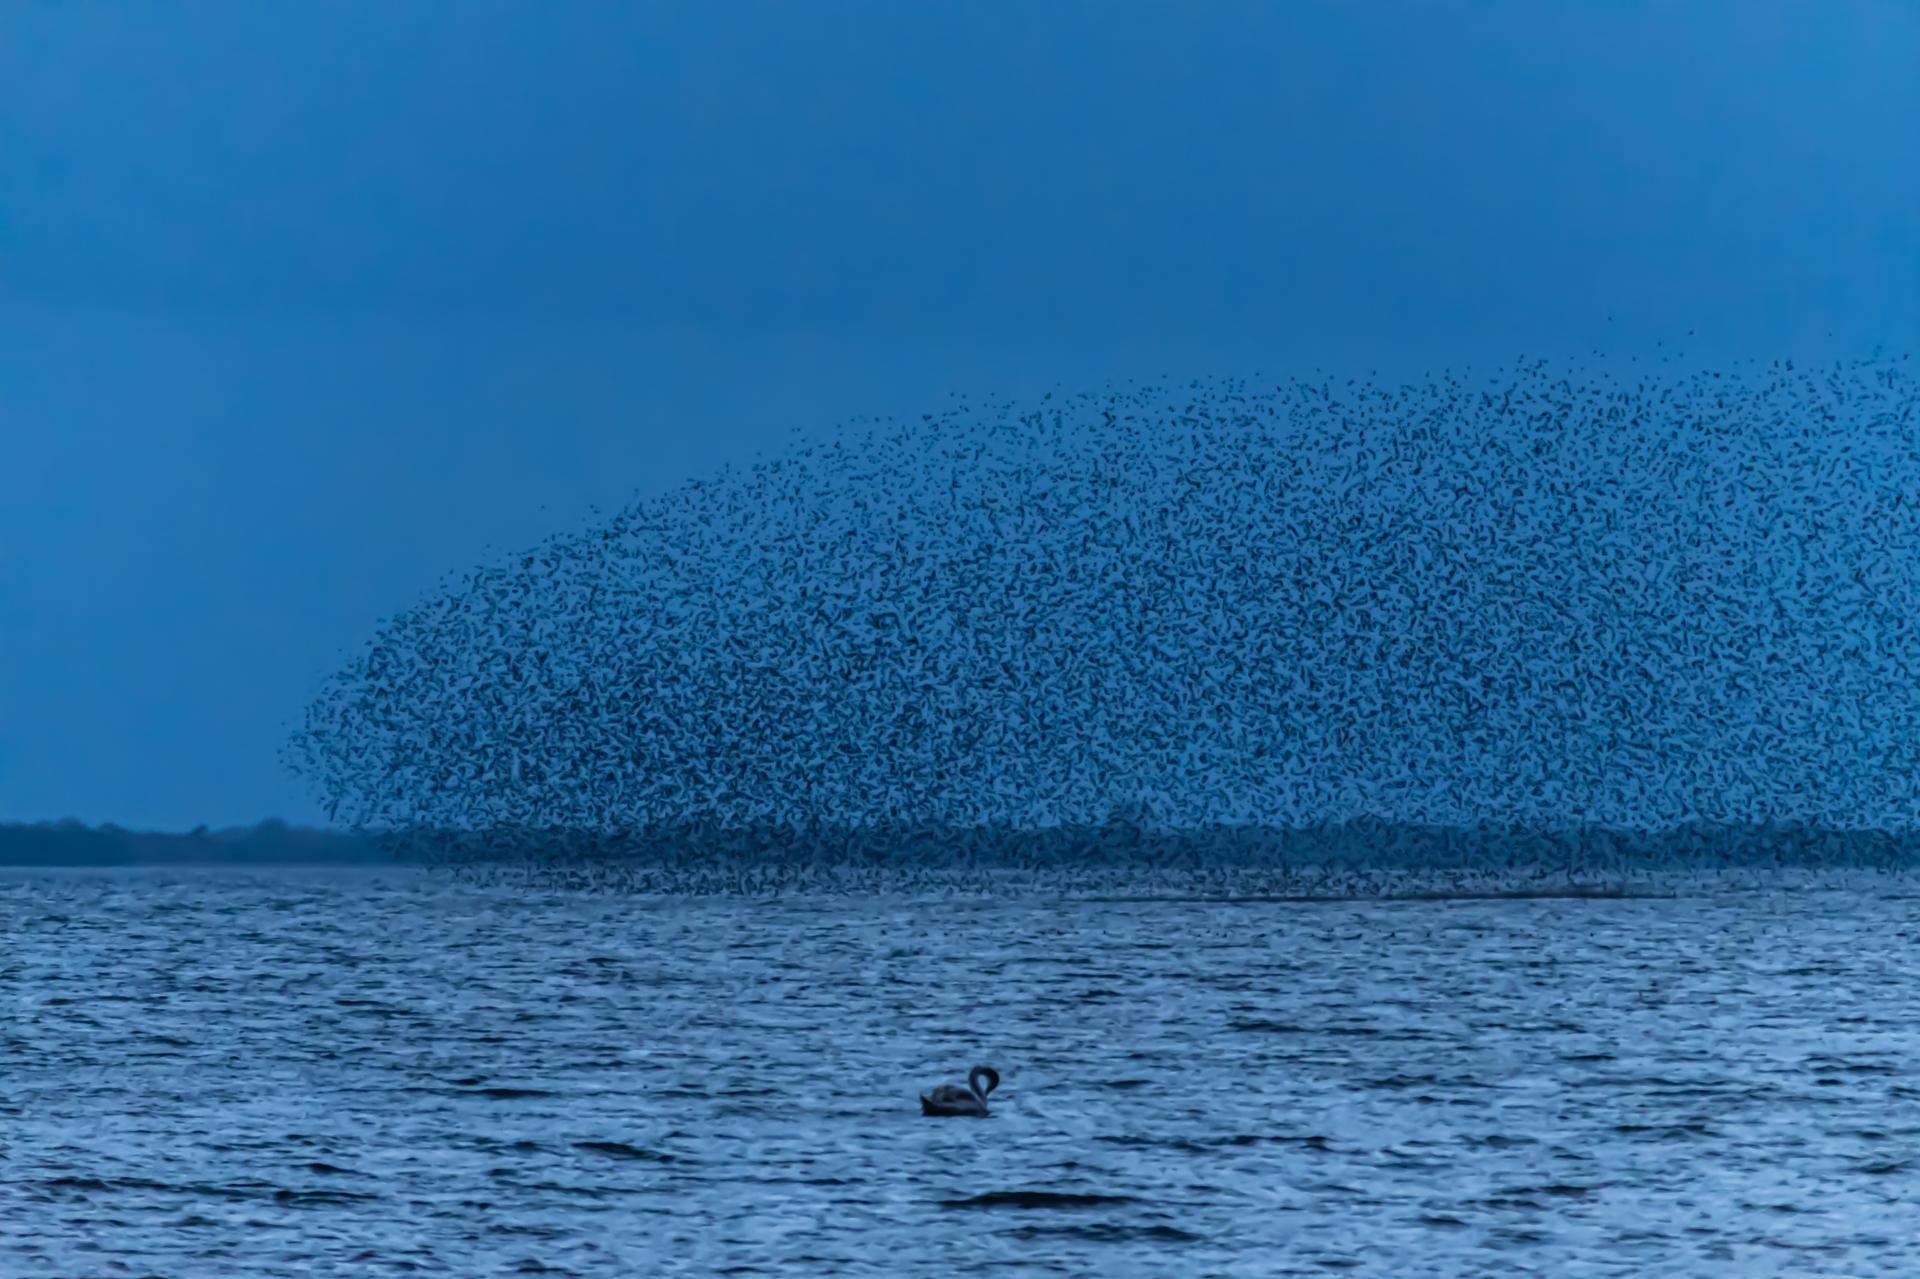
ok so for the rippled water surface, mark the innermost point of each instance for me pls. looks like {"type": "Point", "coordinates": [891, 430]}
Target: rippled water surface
{"type": "Point", "coordinates": [366, 1073]}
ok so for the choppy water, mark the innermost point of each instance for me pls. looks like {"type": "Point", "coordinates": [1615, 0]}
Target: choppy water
{"type": "Point", "coordinates": [298, 1073]}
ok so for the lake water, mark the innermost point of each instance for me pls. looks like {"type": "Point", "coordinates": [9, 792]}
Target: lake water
{"type": "Point", "coordinates": [379, 1072]}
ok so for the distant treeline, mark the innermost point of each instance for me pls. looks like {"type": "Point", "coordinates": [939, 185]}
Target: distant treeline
{"type": "Point", "coordinates": [72, 843]}
{"type": "Point", "coordinates": [1361, 859]}
{"type": "Point", "coordinates": [1360, 843]}
{"type": "Point", "coordinates": [1365, 845]}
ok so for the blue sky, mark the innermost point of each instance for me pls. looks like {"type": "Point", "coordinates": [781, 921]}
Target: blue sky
{"type": "Point", "coordinates": [304, 307]}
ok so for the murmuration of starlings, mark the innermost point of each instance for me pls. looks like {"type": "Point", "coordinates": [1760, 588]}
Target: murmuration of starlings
{"type": "Point", "coordinates": [1533, 600]}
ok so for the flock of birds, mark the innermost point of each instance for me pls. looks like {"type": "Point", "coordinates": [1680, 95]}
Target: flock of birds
{"type": "Point", "coordinates": [1205, 614]}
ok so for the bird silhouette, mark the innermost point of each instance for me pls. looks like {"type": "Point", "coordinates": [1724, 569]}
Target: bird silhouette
{"type": "Point", "coordinates": [951, 1100]}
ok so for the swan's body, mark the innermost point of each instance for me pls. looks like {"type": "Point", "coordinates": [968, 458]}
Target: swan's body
{"type": "Point", "coordinates": [949, 1099]}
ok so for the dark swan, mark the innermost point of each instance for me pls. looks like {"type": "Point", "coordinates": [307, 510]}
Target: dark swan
{"type": "Point", "coordinates": [971, 1100]}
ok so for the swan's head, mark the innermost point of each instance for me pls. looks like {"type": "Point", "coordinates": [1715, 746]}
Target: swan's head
{"type": "Point", "coordinates": [978, 1073]}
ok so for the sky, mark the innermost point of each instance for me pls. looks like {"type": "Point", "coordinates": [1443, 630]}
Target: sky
{"type": "Point", "coordinates": [304, 308]}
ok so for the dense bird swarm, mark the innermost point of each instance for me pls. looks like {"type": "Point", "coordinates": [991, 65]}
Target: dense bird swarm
{"type": "Point", "coordinates": [1531, 602]}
